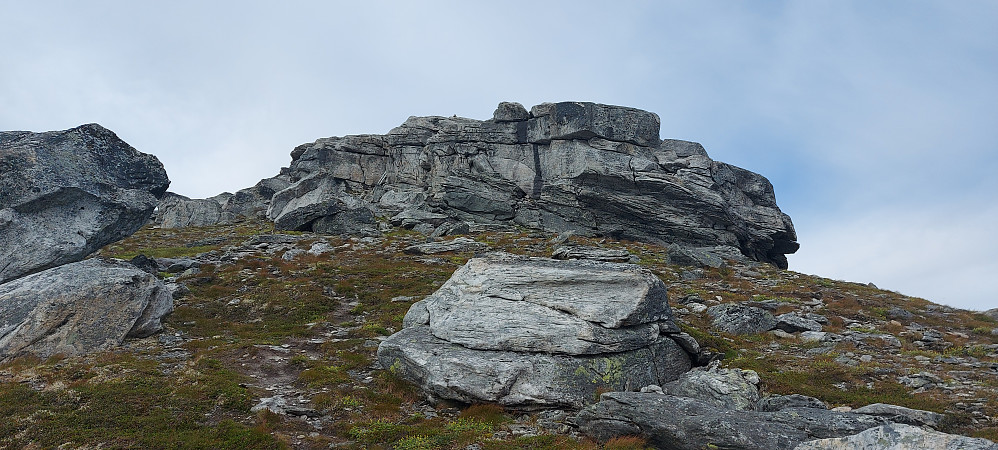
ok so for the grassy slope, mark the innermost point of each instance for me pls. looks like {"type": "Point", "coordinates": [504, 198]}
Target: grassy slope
{"type": "Point", "coordinates": [313, 323]}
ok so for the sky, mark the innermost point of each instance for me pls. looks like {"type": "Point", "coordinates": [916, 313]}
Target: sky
{"type": "Point", "coordinates": [876, 122]}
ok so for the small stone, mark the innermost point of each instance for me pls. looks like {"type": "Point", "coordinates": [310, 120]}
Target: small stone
{"type": "Point", "coordinates": [652, 388]}
{"type": "Point", "coordinates": [781, 334]}
{"type": "Point", "coordinates": [813, 336]}
{"type": "Point", "coordinates": [696, 308]}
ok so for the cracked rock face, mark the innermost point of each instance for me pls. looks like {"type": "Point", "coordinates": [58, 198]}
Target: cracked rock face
{"type": "Point", "coordinates": [524, 331]}
{"type": "Point", "coordinates": [65, 194]}
{"type": "Point", "coordinates": [79, 308]}
{"type": "Point", "coordinates": [594, 169]}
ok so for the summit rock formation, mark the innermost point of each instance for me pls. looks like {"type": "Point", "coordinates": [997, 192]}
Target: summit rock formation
{"type": "Point", "coordinates": [571, 166]}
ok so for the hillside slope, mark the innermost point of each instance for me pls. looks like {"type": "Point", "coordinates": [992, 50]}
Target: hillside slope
{"type": "Point", "coordinates": [274, 347]}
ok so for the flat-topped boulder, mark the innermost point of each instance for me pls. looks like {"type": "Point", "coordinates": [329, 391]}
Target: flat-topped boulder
{"type": "Point", "coordinates": [65, 194]}
{"type": "Point", "coordinates": [517, 303]}
{"type": "Point", "coordinates": [553, 332]}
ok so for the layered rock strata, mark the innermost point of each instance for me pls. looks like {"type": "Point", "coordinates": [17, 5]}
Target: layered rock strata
{"type": "Point", "coordinates": [527, 332]}
{"type": "Point", "coordinates": [595, 169]}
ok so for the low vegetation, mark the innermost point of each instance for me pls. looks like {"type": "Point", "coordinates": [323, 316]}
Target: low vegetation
{"type": "Point", "coordinates": [307, 328]}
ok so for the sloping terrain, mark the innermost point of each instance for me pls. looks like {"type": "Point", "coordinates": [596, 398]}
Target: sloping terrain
{"type": "Point", "coordinates": [274, 347]}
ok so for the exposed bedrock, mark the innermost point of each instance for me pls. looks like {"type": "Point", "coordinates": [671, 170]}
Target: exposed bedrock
{"type": "Point", "coordinates": [178, 211]}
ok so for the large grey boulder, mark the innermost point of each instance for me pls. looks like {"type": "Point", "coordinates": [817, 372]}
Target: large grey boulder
{"type": "Point", "coordinates": [680, 423]}
{"type": "Point", "coordinates": [79, 308]}
{"type": "Point", "coordinates": [524, 379]}
{"type": "Point", "coordinates": [735, 318]}
{"type": "Point", "coordinates": [525, 331]}
{"type": "Point", "coordinates": [895, 436]}
{"type": "Point", "coordinates": [65, 194]}
{"type": "Point", "coordinates": [595, 169]}
{"type": "Point", "coordinates": [723, 388]}
{"type": "Point", "coordinates": [517, 303]}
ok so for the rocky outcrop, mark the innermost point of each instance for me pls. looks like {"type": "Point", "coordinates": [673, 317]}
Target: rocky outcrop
{"type": "Point", "coordinates": [526, 332]}
{"type": "Point", "coordinates": [681, 423]}
{"type": "Point", "coordinates": [899, 437]}
{"type": "Point", "coordinates": [595, 169]}
{"type": "Point", "coordinates": [80, 308]}
{"type": "Point", "coordinates": [178, 211]}
{"type": "Point", "coordinates": [253, 202]}
{"type": "Point", "coordinates": [65, 194]}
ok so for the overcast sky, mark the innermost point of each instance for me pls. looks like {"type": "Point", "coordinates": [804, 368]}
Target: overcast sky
{"type": "Point", "coordinates": [877, 122]}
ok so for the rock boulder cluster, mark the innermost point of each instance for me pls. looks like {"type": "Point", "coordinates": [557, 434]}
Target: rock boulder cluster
{"type": "Point", "coordinates": [63, 195]}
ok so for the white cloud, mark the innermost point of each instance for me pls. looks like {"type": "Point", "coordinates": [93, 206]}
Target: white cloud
{"type": "Point", "coordinates": [850, 108]}
{"type": "Point", "coordinates": [945, 254]}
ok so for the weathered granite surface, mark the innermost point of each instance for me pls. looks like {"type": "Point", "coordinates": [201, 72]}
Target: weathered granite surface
{"type": "Point", "coordinates": [681, 423]}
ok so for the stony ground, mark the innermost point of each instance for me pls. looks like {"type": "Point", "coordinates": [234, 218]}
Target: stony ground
{"type": "Point", "coordinates": [274, 347]}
